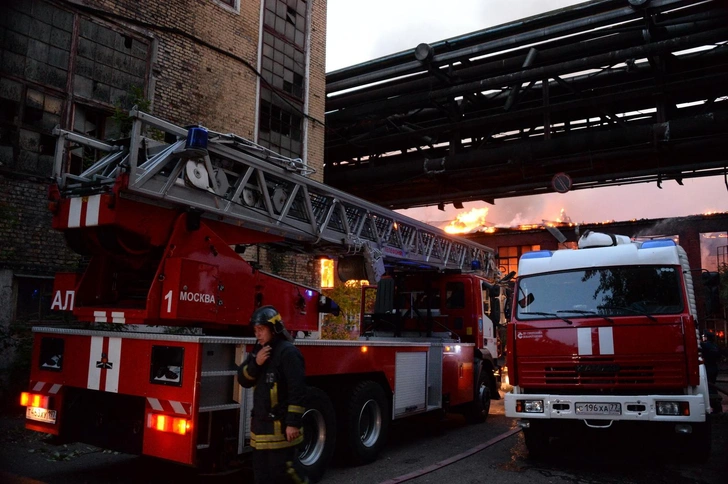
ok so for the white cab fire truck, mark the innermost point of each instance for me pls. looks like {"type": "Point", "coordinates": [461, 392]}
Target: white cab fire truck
{"type": "Point", "coordinates": [164, 301]}
{"type": "Point", "coordinates": [606, 337]}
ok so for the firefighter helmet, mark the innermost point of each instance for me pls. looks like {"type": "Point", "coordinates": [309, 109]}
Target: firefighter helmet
{"type": "Point", "coordinates": [267, 315]}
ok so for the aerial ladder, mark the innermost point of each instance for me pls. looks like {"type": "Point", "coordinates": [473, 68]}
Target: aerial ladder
{"type": "Point", "coordinates": [163, 222]}
{"type": "Point", "coordinates": [243, 194]}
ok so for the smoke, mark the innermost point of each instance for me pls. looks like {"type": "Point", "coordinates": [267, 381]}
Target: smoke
{"type": "Point", "coordinates": [664, 228]}
{"type": "Point", "coordinates": [632, 202]}
{"type": "Point", "coordinates": [517, 220]}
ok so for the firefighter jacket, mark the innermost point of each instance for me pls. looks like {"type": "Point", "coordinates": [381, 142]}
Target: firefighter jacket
{"type": "Point", "coordinates": [278, 398]}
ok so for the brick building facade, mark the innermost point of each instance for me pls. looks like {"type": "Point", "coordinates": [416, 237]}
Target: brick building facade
{"type": "Point", "coordinates": [253, 68]}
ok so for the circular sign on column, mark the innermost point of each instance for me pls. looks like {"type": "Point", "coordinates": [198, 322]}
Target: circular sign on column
{"type": "Point", "coordinates": [561, 182]}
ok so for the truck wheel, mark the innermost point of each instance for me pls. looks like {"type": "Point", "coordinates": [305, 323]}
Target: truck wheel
{"type": "Point", "coordinates": [698, 443]}
{"type": "Point", "coordinates": [477, 411]}
{"type": "Point", "coordinates": [365, 423]}
{"type": "Point", "coordinates": [319, 435]}
{"type": "Point", "coordinates": [537, 441]}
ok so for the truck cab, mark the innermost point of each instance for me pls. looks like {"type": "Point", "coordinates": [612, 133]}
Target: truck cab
{"type": "Point", "coordinates": [461, 309]}
{"type": "Point", "coordinates": [606, 336]}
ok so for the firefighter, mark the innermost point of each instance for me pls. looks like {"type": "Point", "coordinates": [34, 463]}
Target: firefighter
{"type": "Point", "coordinates": [711, 357]}
{"type": "Point", "coordinates": [275, 368]}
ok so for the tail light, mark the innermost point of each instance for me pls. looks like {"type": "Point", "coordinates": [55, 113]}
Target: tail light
{"type": "Point", "coordinates": [34, 400]}
{"type": "Point", "coordinates": [166, 423]}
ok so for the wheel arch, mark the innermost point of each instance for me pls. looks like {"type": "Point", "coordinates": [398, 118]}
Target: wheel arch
{"type": "Point", "coordinates": [338, 386]}
{"type": "Point", "coordinates": [484, 362]}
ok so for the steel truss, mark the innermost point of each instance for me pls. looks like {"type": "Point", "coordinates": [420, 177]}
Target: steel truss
{"type": "Point", "coordinates": [246, 185]}
{"type": "Point", "coordinates": [609, 91]}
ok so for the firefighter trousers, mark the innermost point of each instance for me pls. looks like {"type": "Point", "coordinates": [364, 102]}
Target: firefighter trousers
{"type": "Point", "coordinates": [278, 466]}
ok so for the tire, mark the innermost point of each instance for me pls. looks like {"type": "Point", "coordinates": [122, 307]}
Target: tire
{"type": "Point", "coordinates": [319, 435]}
{"type": "Point", "coordinates": [364, 423]}
{"type": "Point", "coordinates": [537, 441]}
{"type": "Point", "coordinates": [477, 411]}
{"type": "Point", "coordinates": [697, 445]}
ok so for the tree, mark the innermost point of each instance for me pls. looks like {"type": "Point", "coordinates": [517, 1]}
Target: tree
{"type": "Point", "coordinates": [348, 298]}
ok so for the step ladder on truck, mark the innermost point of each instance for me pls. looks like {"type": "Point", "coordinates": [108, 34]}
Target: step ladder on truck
{"type": "Point", "coordinates": [164, 301]}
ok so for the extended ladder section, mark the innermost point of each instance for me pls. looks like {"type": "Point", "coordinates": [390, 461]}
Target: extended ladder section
{"type": "Point", "coordinates": [233, 180]}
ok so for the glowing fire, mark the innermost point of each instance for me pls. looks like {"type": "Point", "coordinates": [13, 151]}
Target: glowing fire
{"type": "Point", "coordinates": [468, 221]}
{"type": "Point", "coordinates": [563, 218]}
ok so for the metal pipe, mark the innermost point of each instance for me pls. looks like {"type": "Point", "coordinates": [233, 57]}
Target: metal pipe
{"type": "Point", "coordinates": [479, 122]}
{"type": "Point", "coordinates": [588, 8]}
{"type": "Point", "coordinates": [534, 188]}
{"type": "Point", "coordinates": [539, 73]}
{"type": "Point", "coordinates": [553, 51]}
{"type": "Point", "coordinates": [623, 14]}
{"type": "Point", "coordinates": [714, 123]}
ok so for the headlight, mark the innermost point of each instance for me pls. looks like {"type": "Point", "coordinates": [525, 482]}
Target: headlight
{"type": "Point", "coordinates": [529, 406]}
{"type": "Point", "coordinates": [673, 408]}
{"type": "Point", "coordinates": [453, 349]}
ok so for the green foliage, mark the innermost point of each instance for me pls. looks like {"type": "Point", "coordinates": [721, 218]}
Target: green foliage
{"type": "Point", "coordinates": [135, 97]}
{"type": "Point", "coordinates": [348, 297]}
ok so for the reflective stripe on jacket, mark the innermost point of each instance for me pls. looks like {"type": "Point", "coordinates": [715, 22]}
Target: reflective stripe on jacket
{"type": "Point", "coordinates": [279, 395]}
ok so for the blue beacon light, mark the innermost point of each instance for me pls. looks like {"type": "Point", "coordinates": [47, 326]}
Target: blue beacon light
{"type": "Point", "coordinates": [196, 139]}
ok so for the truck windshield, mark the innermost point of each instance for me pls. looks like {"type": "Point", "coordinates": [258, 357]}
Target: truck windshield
{"type": "Point", "coordinates": [600, 292]}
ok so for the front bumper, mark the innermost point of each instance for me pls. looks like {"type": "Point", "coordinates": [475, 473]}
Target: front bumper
{"type": "Point", "coordinates": [633, 407]}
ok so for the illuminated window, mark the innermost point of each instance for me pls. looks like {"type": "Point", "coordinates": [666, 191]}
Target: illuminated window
{"type": "Point", "coordinates": [327, 273]}
{"type": "Point", "coordinates": [713, 250]}
{"type": "Point", "coordinates": [508, 256]}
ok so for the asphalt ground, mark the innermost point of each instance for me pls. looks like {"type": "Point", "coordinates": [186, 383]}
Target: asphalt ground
{"type": "Point", "coordinates": [31, 457]}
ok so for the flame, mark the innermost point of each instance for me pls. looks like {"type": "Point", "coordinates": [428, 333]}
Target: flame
{"type": "Point", "coordinates": [563, 218]}
{"type": "Point", "coordinates": [466, 222]}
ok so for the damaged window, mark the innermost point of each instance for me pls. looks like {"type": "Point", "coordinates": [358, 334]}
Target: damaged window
{"type": "Point", "coordinates": [167, 364]}
{"type": "Point", "coordinates": [283, 70]}
{"type": "Point", "coordinates": [51, 354]}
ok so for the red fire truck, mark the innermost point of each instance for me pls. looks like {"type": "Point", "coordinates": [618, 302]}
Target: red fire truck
{"type": "Point", "coordinates": [606, 337]}
{"type": "Point", "coordinates": [164, 301]}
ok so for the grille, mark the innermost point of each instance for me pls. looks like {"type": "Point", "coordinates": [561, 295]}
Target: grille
{"type": "Point", "coordinates": [603, 374]}
{"type": "Point", "coordinates": [599, 374]}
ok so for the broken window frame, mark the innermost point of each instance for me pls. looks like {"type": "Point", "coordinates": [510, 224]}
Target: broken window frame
{"type": "Point", "coordinates": [283, 70]}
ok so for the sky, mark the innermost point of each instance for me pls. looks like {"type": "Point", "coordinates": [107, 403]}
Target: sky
{"type": "Point", "coordinates": [361, 31]}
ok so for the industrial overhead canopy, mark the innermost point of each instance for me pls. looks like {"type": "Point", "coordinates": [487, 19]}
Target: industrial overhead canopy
{"type": "Point", "coordinates": [607, 92]}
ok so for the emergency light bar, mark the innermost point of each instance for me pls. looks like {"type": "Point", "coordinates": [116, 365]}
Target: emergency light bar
{"type": "Point", "coordinates": [657, 243]}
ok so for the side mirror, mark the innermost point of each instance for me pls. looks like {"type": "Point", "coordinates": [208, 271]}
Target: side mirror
{"type": "Point", "coordinates": [526, 300]}
{"type": "Point", "coordinates": [508, 276]}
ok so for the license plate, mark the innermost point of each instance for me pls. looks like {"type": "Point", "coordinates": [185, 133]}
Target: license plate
{"type": "Point", "coordinates": [40, 414]}
{"type": "Point", "coordinates": [599, 408]}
